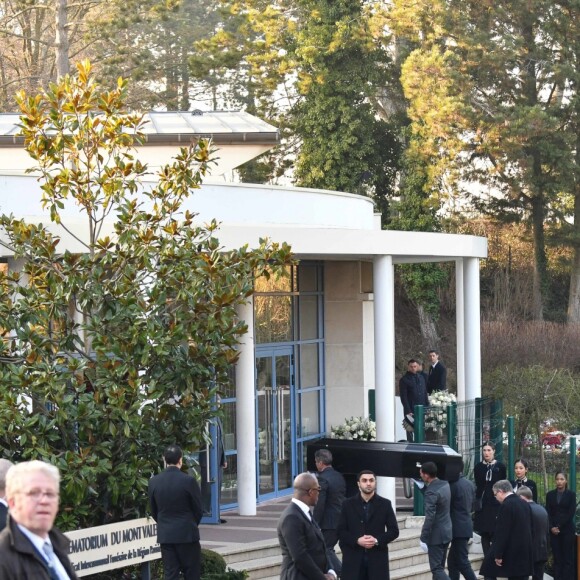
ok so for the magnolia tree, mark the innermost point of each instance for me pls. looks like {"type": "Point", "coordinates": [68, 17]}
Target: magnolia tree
{"type": "Point", "coordinates": [111, 353]}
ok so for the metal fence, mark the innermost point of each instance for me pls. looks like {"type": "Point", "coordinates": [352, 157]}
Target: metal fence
{"type": "Point", "coordinates": [466, 426]}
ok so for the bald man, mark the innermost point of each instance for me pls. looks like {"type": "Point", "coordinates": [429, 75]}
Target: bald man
{"type": "Point", "coordinates": [303, 548]}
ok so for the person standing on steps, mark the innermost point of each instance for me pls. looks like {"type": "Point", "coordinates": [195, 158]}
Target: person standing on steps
{"type": "Point", "coordinates": [327, 509]}
{"type": "Point", "coordinates": [175, 500]}
{"type": "Point", "coordinates": [437, 529]}
{"type": "Point", "coordinates": [413, 391]}
{"type": "Point", "coordinates": [366, 528]}
{"type": "Point", "coordinates": [462, 496]}
{"type": "Point", "coordinates": [304, 555]}
{"type": "Point", "coordinates": [437, 377]}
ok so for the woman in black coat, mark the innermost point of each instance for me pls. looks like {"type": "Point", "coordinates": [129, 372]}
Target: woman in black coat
{"type": "Point", "coordinates": [561, 505]}
{"type": "Point", "coordinates": [486, 473]}
{"type": "Point", "coordinates": [521, 473]}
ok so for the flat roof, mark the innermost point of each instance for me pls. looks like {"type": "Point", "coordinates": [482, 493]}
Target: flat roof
{"type": "Point", "coordinates": [174, 127]}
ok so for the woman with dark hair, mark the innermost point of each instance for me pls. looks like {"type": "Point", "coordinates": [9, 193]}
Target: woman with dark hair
{"type": "Point", "coordinates": [486, 473]}
{"type": "Point", "coordinates": [521, 473]}
{"type": "Point", "coordinates": [561, 505]}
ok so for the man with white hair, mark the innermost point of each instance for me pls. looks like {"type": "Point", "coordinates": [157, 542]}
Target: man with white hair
{"type": "Point", "coordinates": [5, 465]}
{"type": "Point", "coordinates": [30, 547]}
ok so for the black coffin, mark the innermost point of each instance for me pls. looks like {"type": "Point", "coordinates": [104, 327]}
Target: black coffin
{"type": "Point", "coordinates": [387, 459]}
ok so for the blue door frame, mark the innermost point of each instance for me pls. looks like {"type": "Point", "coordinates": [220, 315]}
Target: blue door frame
{"type": "Point", "coordinates": [275, 420]}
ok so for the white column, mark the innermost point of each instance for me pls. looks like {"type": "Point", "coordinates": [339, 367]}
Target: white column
{"type": "Point", "coordinates": [460, 328]}
{"type": "Point", "coordinates": [472, 328]}
{"type": "Point", "coordinates": [384, 317]}
{"type": "Point", "coordinates": [246, 415]}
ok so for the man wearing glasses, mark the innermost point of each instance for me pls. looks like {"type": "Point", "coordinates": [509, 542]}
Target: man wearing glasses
{"type": "Point", "coordinates": [303, 548]}
{"type": "Point", "coordinates": [30, 547]}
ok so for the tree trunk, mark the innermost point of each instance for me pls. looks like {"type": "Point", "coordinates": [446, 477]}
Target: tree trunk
{"type": "Point", "coordinates": [540, 281]}
{"type": "Point", "coordinates": [428, 329]}
{"type": "Point", "coordinates": [574, 295]}
{"type": "Point", "coordinates": [61, 41]}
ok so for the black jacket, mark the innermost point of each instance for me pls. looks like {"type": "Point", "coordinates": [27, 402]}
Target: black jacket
{"type": "Point", "coordinates": [380, 522]}
{"type": "Point", "coordinates": [541, 532]}
{"type": "Point", "coordinates": [176, 506]}
{"type": "Point", "coordinates": [512, 541]}
{"type": "Point", "coordinates": [561, 514]}
{"type": "Point", "coordinates": [3, 514]}
{"type": "Point", "coordinates": [413, 391]}
{"type": "Point", "coordinates": [332, 493]}
{"type": "Point", "coordinates": [462, 496]}
{"type": "Point", "coordinates": [437, 380]}
{"type": "Point", "coordinates": [303, 547]}
{"type": "Point", "coordinates": [485, 517]}
{"type": "Point", "coordinates": [19, 559]}
{"type": "Point", "coordinates": [529, 484]}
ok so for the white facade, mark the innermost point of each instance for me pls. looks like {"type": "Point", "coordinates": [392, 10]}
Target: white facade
{"type": "Point", "coordinates": [342, 231]}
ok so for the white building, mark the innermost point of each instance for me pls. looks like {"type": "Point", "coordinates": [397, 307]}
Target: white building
{"type": "Point", "coordinates": [333, 342]}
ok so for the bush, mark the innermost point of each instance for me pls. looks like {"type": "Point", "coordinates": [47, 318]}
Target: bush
{"type": "Point", "coordinates": [229, 575]}
{"type": "Point", "coordinates": [212, 564]}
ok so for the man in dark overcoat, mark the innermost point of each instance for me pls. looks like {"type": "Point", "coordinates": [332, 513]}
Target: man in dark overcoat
{"type": "Point", "coordinates": [413, 391]}
{"type": "Point", "coordinates": [540, 536]}
{"type": "Point", "coordinates": [175, 500]}
{"type": "Point", "coordinates": [511, 553]}
{"type": "Point", "coordinates": [328, 507]}
{"type": "Point", "coordinates": [462, 496]}
{"type": "Point", "coordinates": [304, 554]}
{"type": "Point", "coordinates": [366, 528]}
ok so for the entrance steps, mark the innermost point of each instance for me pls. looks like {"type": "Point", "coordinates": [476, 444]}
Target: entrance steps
{"type": "Point", "coordinates": [262, 559]}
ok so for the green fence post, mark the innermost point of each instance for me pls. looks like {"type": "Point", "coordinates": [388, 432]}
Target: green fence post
{"type": "Point", "coordinates": [477, 436]}
{"type": "Point", "coordinates": [419, 410]}
{"type": "Point", "coordinates": [452, 425]}
{"type": "Point", "coordinates": [511, 447]}
{"type": "Point", "coordinates": [496, 428]}
{"type": "Point", "coordinates": [572, 479]}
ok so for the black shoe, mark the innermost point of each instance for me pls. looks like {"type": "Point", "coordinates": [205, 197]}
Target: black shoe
{"type": "Point", "coordinates": [223, 521]}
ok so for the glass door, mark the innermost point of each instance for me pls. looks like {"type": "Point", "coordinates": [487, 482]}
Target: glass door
{"type": "Point", "coordinates": [274, 412]}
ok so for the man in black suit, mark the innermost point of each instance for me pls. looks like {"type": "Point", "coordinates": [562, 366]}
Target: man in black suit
{"type": "Point", "coordinates": [5, 465]}
{"type": "Point", "coordinates": [541, 527]}
{"type": "Point", "coordinates": [413, 391]}
{"type": "Point", "coordinates": [304, 554]}
{"type": "Point", "coordinates": [327, 509]}
{"type": "Point", "coordinates": [510, 555]}
{"type": "Point", "coordinates": [437, 379]}
{"type": "Point", "coordinates": [462, 496]}
{"type": "Point", "coordinates": [367, 526]}
{"type": "Point", "coordinates": [175, 500]}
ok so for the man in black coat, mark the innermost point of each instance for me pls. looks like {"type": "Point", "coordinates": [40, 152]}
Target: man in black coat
{"type": "Point", "coordinates": [413, 391]}
{"type": "Point", "coordinates": [437, 379]}
{"type": "Point", "coordinates": [511, 554]}
{"type": "Point", "coordinates": [327, 509]}
{"type": "Point", "coordinates": [462, 496]}
{"type": "Point", "coordinates": [175, 500]}
{"type": "Point", "coordinates": [5, 465]}
{"type": "Point", "coordinates": [367, 526]}
{"type": "Point", "coordinates": [541, 531]}
{"type": "Point", "coordinates": [304, 555]}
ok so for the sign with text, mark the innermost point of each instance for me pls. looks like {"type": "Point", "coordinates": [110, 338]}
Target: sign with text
{"type": "Point", "coordinates": [112, 546]}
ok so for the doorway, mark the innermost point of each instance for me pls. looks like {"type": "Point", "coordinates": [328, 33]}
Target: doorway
{"type": "Point", "coordinates": [275, 417]}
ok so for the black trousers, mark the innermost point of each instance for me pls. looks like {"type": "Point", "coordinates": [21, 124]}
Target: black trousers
{"type": "Point", "coordinates": [179, 558]}
{"type": "Point", "coordinates": [564, 548]}
{"type": "Point", "coordinates": [458, 560]}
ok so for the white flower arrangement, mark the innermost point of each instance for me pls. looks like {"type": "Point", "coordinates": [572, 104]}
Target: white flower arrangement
{"type": "Point", "coordinates": [355, 428]}
{"type": "Point", "coordinates": [436, 414]}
